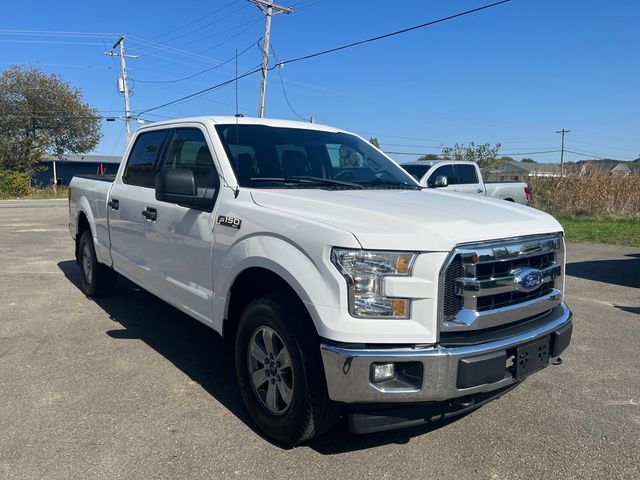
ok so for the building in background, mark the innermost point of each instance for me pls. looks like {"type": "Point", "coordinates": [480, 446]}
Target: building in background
{"type": "Point", "coordinates": [513, 171]}
{"type": "Point", "coordinates": [70, 165]}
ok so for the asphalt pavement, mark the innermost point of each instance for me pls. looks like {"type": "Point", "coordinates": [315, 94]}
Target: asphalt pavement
{"type": "Point", "coordinates": [128, 387]}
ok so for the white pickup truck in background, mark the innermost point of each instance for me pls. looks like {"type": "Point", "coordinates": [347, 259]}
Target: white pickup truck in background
{"type": "Point", "coordinates": [464, 177]}
{"type": "Point", "coordinates": [346, 287]}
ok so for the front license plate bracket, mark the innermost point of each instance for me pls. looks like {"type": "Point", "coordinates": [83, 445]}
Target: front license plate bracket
{"type": "Point", "coordinates": [531, 357]}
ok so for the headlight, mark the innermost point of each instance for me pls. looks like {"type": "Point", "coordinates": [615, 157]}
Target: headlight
{"type": "Point", "coordinates": [364, 271]}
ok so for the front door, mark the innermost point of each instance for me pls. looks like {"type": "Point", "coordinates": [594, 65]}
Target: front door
{"type": "Point", "coordinates": [179, 241]}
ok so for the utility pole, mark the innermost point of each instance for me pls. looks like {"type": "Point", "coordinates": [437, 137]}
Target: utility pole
{"type": "Point", "coordinates": [123, 85]}
{"type": "Point", "coordinates": [563, 132]}
{"type": "Point", "coordinates": [268, 8]}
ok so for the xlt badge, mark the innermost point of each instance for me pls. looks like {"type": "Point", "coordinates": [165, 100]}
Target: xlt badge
{"type": "Point", "coordinates": [229, 222]}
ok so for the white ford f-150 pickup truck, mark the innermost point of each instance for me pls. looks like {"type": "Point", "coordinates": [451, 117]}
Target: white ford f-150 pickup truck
{"type": "Point", "coordinates": [346, 287]}
{"type": "Point", "coordinates": [464, 177]}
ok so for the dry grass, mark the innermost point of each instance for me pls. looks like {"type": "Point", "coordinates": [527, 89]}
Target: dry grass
{"type": "Point", "coordinates": [594, 194]}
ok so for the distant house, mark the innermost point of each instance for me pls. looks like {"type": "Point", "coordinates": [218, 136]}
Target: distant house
{"type": "Point", "coordinates": [621, 170]}
{"type": "Point", "coordinates": [70, 165]}
{"type": "Point", "coordinates": [612, 167]}
{"type": "Point", "coordinates": [513, 171]}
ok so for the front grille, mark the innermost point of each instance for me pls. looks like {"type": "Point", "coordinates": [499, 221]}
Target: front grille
{"type": "Point", "coordinates": [481, 278]}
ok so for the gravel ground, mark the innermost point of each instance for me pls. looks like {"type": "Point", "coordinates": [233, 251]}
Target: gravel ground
{"type": "Point", "coordinates": [128, 387]}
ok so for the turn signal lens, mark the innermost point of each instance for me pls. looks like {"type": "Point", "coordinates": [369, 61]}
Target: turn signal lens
{"type": "Point", "coordinates": [400, 307]}
{"type": "Point", "coordinates": [403, 262]}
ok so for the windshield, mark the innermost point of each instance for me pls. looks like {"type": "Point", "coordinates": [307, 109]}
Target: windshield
{"type": "Point", "coordinates": [416, 171]}
{"type": "Point", "coordinates": [278, 157]}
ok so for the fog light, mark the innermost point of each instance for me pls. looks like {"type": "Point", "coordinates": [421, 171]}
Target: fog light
{"type": "Point", "coordinates": [383, 371]}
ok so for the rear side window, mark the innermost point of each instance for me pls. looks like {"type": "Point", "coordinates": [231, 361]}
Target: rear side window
{"type": "Point", "coordinates": [466, 174]}
{"type": "Point", "coordinates": [140, 166]}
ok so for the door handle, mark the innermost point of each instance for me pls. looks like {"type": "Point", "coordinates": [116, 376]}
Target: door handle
{"type": "Point", "coordinates": [114, 204]}
{"type": "Point", "coordinates": [480, 190]}
{"type": "Point", "coordinates": [150, 214]}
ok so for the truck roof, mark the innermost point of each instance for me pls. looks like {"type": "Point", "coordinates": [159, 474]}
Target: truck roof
{"type": "Point", "coordinates": [271, 122]}
{"type": "Point", "coordinates": [431, 163]}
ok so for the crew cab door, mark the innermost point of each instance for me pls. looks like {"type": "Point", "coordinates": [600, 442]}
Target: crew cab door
{"type": "Point", "coordinates": [179, 247]}
{"type": "Point", "coordinates": [461, 177]}
{"type": "Point", "coordinates": [132, 192]}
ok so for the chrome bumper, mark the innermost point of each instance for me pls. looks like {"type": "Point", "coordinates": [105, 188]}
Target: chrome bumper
{"type": "Point", "coordinates": [348, 370]}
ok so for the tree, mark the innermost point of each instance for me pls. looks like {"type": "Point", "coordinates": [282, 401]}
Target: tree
{"type": "Point", "coordinates": [429, 156]}
{"type": "Point", "coordinates": [42, 114]}
{"type": "Point", "coordinates": [528, 160]}
{"type": "Point", "coordinates": [374, 141]}
{"type": "Point", "coordinates": [484, 154]}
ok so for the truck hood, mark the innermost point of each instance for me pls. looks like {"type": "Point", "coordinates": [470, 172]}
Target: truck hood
{"type": "Point", "coordinates": [421, 220]}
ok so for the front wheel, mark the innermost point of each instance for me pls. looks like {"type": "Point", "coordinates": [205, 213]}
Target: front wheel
{"type": "Point", "coordinates": [280, 371]}
{"type": "Point", "coordinates": [98, 280]}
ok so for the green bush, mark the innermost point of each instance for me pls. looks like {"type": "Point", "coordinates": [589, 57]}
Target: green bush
{"type": "Point", "coordinates": [14, 184]}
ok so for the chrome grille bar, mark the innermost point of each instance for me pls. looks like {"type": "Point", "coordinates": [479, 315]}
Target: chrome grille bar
{"type": "Point", "coordinates": [474, 287]}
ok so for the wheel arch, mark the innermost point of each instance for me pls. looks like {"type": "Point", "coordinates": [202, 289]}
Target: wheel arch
{"type": "Point", "coordinates": [82, 225]}
{"type": "Point", "coordinates": [256, 281]}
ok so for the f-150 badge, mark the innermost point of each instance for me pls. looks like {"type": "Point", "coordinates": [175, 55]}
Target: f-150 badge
{"type": "Point", "coordinates": [229, 222]}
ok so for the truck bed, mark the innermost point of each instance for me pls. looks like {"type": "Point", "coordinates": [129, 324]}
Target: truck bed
{"type": "Point", "coordinates": [101, 178]}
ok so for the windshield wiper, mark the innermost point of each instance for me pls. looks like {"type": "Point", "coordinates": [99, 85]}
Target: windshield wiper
{"type": "Point", "coordinates": [392, 183]}
{"type": "Point", "coordinates": [305, 180]}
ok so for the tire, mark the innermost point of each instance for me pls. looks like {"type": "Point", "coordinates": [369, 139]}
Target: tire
{"type": "Point", "coordinates": [289, 403]}
{"type": "Point", "coordinates": [98, 280]}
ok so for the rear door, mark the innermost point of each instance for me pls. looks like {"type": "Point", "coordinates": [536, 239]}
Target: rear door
{"type": "Point", "coordinates": [132, 192]}
{"type": "Point", "coordinates": [467, 179]}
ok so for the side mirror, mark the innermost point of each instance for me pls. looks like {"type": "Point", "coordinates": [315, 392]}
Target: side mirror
{"type": "Point", "coordinates": [440, 181]}
{"type": "Point", "coordinates": [178, 185]}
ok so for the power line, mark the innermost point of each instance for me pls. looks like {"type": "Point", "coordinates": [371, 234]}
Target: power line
{"type": "Point", "coordinates": [247, 26]}
{"type": "Point", "coordinates": [48, 42]}
{"type": "Point", "coordinates": [284, 90]}
{"type": "Point", "coordinates": [54, 33]}
{"type": "Point", "coordinates": [199, 19]}
{"type": "Point", "coordinates": [325, 52]}
{"type": "Point", "coordinates": [539, 152]}
{"type": "Point", "coordinates": [599, 157]}
{"type": "Point", "coordinates": [201, 92]}
{"type": "Point", "coordinates": [202, 71]}
{"type": "Point", "coordinates": [397, 32]}
{"type": "Point", "coordinates": [198, 29]}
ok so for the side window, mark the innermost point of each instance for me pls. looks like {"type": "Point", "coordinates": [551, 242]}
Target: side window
{"type": "Point", "coordinates": [466, 174]}
{"type": "Point", "coordinates": [142, 159]}
{"type": "Point", "coordinates": [188, 149]}
{"type": "Point", "coordinates": [444, 170]}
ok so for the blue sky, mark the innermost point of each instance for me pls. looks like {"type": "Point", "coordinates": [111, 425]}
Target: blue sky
{"type": "Point", "coordinates": [512, 74]}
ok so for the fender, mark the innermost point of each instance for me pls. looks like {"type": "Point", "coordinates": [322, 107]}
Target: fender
{"type": "Point", "coordinates": [99, 228]}
{"type": "Point", "coordinates": [306, 277]}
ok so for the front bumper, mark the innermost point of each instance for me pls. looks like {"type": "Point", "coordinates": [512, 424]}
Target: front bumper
{"type": "Point", "coordinates": [446, 372]}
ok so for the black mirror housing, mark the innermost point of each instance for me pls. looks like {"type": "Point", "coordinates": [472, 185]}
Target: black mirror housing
{"type": "Point", "coordinates": [178, 185]}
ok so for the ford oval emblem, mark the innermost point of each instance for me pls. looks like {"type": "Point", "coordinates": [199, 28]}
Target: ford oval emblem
{"type": "Point", "coordinates": [527, 279]}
